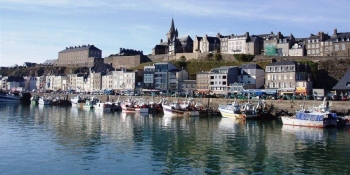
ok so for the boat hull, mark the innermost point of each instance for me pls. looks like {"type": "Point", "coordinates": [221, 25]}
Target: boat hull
{"type": "Point", "coordinates": [9, 99]}
{"type": "Point", "coordinates": [309, 123]}
{"type": "Point", "coordinates": [179, 112]}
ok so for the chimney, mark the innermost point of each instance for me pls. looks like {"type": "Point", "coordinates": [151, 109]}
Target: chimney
{"type": "Point", "coordinates": [335, 31]}
{"type": "Point", "coordinates": [321, 36]}
{"type": "Point", "coordinates": [247, 34]}
{"type": "Point", "coordinates": [279, 35]}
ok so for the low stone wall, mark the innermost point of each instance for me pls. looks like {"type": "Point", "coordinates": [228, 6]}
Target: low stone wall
{"type": "Point", "coordinates": [286, 105]}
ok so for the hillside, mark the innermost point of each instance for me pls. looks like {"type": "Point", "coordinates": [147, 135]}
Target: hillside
{"type": "Point", "coordinates": [44, 70]}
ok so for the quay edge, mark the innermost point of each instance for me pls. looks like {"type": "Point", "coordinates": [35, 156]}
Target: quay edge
{"type": "Point", "coordinates": [278, 105]}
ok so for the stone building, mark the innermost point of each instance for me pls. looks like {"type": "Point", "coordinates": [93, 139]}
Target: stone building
{"type": "Point", "coordinates": [315, 43]}
{"type": "Point", "coordinates": [278, 45]}
{"type": "Point", "coordinates": [79, 56]}
{"type": "Point", "coordinates": [203, 80]}
{"type": "Point", "coordinates": [337, 45]}
{"type": "Point", "coordinates": [209, 44]}
{"type": "Point", "coordinates": [174, 44]}
{"type": "Point", "coordinates": [288, 77]}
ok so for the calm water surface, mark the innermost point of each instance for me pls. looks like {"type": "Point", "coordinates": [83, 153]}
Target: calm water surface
{"type": "Point", "coordinates": [60, 140]}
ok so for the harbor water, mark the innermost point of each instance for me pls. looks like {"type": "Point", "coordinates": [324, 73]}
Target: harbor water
{"type": "Point", "coordinates": [66, 140]}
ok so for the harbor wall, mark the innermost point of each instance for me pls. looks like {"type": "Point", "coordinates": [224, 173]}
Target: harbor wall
{"type": "Point", "coordinates": [285, 105]}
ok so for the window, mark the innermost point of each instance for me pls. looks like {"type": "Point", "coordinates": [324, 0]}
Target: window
{"type": "Point", "coordinates": [336, 47]}
{"type": "Point", "coordinates": [343, 47]}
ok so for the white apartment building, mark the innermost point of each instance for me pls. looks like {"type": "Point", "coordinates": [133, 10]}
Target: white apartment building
{"type": "Point", "coordinates": [221, 77]}
{"type": "Point", "coordinates": [237, 44]}
{"type": "Point", "coordinates": [119, 80]}
{"type": "Point", "coordinates": [252, 76]}
{"type": "Point", "coordinates": [30, 83]}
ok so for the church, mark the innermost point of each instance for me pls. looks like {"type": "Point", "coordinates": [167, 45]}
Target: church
{"type": "Point", "coordinates": [174, 44]}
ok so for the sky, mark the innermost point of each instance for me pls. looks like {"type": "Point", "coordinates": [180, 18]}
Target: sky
{"type": "Point", "coordinates": [36, 30]}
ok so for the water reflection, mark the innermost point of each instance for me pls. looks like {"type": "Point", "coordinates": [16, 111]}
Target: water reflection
{"type": "Point", "coordinates": [92, 141]}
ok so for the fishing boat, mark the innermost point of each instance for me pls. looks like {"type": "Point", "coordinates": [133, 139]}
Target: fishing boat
{"type": "Point", "coordinates": [175, 109]}
{"type": "Point", "coordinates": [44, 101]}
{"type": "Point", "coordinates": [77, 101]}
{"type": "Point", "coordinates": [131, 105]}
{"type": "Point", "coordinates": [231, 110]}
{"type": "Point", "coordinates": [320, 116]}
{"type": "Point", "coordinates": [9, 98]}
{"type": "Point", "coordinates": [90, 103]}
{"type": "Point", "coordinates": [34, 100]}
{"type": "Point", "coordinates": [247, 110]}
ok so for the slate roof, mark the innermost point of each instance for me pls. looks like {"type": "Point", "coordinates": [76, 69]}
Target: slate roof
{"type": "Point", "coordinates": [80, 48]}
{"type": "Point", "coordinates": [102, 67]}
{"type": "Point", "coordinates": [213, 39]}
{"type": "Point", "coordinates": [344, 82]}
{"type": "Point", "coordinates": [281, 63]}
{"type": "Point", "coordinates": [250, 66]}
{"type": "Point", "coordinates": [49, 62]}
{"type": "Point", "coordinates": [186, 38]}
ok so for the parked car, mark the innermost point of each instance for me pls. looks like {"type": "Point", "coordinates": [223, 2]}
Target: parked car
{"type": "Point", "coordinates": [319, 97]}
{"type": "Point", "coordinates": [344, 98]}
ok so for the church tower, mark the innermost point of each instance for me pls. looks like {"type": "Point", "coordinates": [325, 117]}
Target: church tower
{"type": "Point", "coordinates": [172, 38]}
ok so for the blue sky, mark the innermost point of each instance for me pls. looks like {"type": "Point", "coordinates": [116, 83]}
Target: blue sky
{"type": "Point", "coordinates": [34, 31]}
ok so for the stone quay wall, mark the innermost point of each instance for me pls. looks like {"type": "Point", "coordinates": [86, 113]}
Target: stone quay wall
{"type": "Point", "coordinates": [285, 105]}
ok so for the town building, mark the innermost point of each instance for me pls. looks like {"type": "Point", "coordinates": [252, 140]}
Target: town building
{"type": "Point", "coordinates": [174, 44]}
{"type": "Point", "coordinates": [79, 56]}
{"type": "Point", "coordinates": [209, 44]}
{"type": "Point", "coordinates": [187, 87]}
{"type": "Point", "coordinates": [203, 81]}
{"type": "Point", "coordinates": [166, 77]}
{"type": "Point", "coordinates": [278, 45]}
{"type": "Point", "coordinates": [288, 77]}
{"type": "Point", "coordinates": [30, 83]}
{"type": "Point", "coordinates": [342, 88]}
{"type": "Point", "coordinates": [148, 79]}
{"type": "Point", "coordinates": [252, 76]}
{"type": "Point", "coordinates": [221, 77]}
{"type": "Point", "coordinates": [337, 45]}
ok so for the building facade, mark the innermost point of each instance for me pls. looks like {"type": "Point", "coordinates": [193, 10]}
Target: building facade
{"type": "Point", "coordinates": [288, 77]}
{"type": "Point", "coordinates": [221, 77]}
{"type": "Point", "coordinates": [252, 76]}
{"type": "Point", "coordinates": [79, 56]}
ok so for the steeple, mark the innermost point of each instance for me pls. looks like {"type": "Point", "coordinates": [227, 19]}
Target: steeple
{"type": "Point", "coordinates": [173, 31]}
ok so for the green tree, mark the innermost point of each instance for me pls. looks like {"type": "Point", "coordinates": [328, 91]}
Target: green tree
{"type": "Point", "coordinates": [209, 57]}
{"type": "Point", "coordinates": [218, 57]}
{"type": "Point", "coordinates": [183, 58]}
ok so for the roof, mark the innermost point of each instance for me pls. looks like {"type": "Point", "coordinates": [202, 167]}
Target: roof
{"type": "Point", "coordinates": [344, 82]}
{"type": "Point", "coordinates": [279, 63]}
{"type": "Point", "coordinates": [250, 66]}
{"type": "Point", "coordinates": [185, 38]}
{"type": "Point", "coordinates": [80, 48]}
{"type": "Point", "coordinates": [212, 39]}
{"type": "Point", "coordinates": [49, 62]}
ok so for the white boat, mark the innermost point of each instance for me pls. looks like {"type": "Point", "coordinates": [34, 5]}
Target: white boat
{"type": "Point", "coordinates": [130, 105]}
{"type": "Point", "coordinates": [44, 101]}
{"type": "Point", "coordinates": [77, 101]}
{"type": "Point", "coordinates": [34, 100]}
{"type": "Point", "coordinates": [9, 98]}
{"type": "Point", "coordinates": [231, 110]}
{"type": "Point", "coordinates": [235, 110]}
{"type": "Point", "coordinates": [103, 106]}
{"type": "Point", "coordinates": [174, 109]}
{"type": "Point", "coordinates": [318, 117]}
{"type": "Point", "coordinates": [90, 103]}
